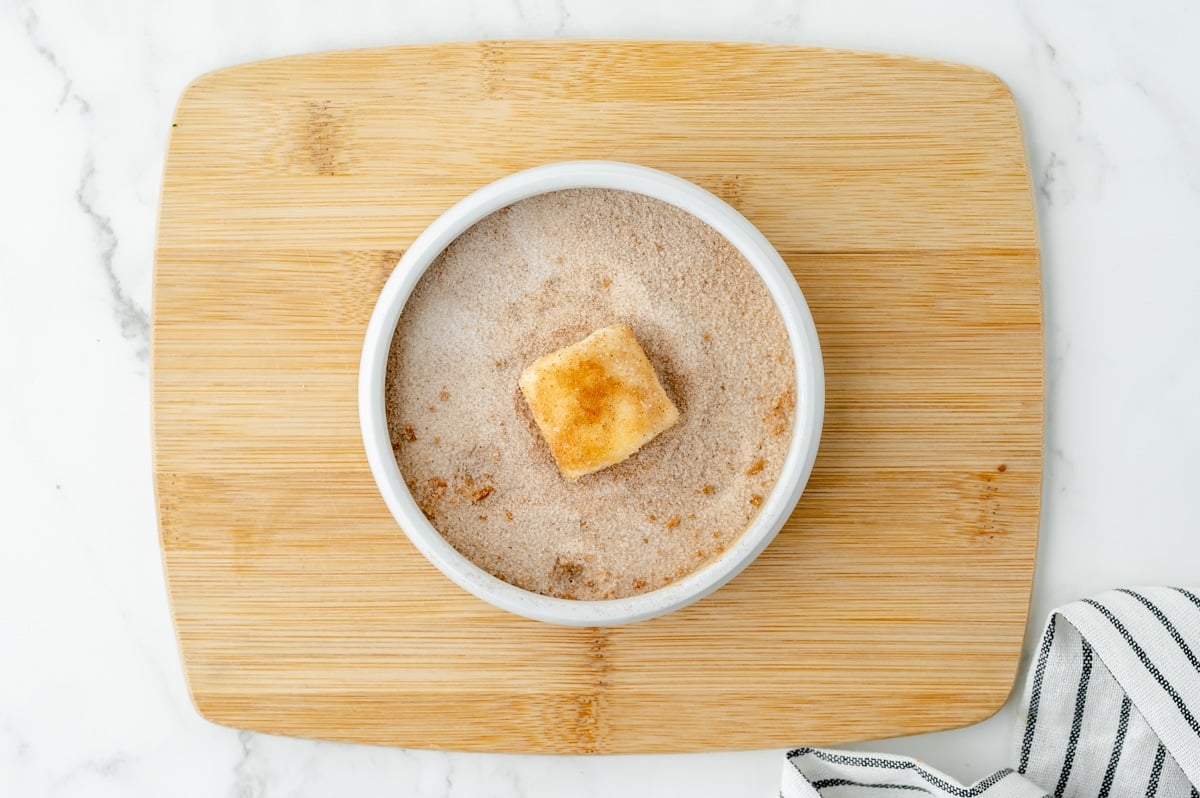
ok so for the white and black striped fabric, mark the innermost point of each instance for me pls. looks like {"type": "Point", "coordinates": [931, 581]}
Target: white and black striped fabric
{"type": "Point", "coordinates": [1111, 708]}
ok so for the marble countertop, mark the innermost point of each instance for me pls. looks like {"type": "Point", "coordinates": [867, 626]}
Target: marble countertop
{"type": "Point", "coordinates": [92, 698]}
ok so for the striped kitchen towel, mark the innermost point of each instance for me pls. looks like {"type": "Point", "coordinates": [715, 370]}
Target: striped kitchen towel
{"type": "Point", "coordinates": [1112, 708]}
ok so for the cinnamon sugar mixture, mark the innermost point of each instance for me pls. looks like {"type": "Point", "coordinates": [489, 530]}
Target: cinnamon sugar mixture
{"type": "Point", "coordinates": [542, 274]}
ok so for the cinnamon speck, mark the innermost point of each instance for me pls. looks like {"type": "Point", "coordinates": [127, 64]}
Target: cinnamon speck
{"type": "Point", "coordinates": [508, 516]}
{"type": "Point", "coordinates": [756, 467]}
{"type": "Point", "coordinates": [482, 493]}
{"type": "Point", "coordinates": [566, 568]}
{"type": "Point", "coordinates": [756, 500]}
{"type": "Point", "coordinates": [707, 490]}
{"type": "Point", "coordinates": [672, 522]}
{"type": "Point", "coordinates": [779, 418]}
{"type": "Point", "coordinates": [651, 517]}
{"type": "Point", "coordinates": [431, 496]}
{"type": "Point", "coordinates": [444, 395]}
{"type": "Point", "coordinates": [410, 434]}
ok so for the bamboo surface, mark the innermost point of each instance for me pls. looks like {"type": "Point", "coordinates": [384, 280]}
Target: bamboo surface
{"type": "Point", "coordinates": [895, 599]}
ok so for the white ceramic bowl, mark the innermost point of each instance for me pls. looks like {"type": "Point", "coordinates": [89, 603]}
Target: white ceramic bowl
{"type": "Point", "coordinates": [802, 334]}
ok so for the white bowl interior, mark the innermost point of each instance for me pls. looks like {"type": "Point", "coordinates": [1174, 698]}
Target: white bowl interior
{"type": "Point", "coordinates": [797, 320]}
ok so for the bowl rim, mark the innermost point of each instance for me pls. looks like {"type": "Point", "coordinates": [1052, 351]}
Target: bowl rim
{"type": "Point", "coordinates": [802, 337]}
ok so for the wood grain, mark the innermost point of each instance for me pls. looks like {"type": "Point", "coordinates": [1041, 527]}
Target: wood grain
{"type": "Point", "coordinates": [895, 599]}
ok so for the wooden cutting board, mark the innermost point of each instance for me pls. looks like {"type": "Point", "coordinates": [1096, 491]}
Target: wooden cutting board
{"type": "Point", "coordinates": [895, 599]}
